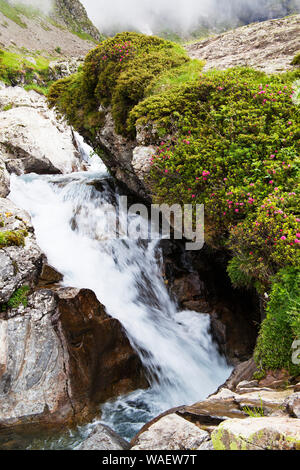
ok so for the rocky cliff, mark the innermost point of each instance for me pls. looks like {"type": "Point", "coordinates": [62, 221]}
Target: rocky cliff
{"type": "Point", "coordinates": [73, 14]}
{"type": "Point", "coordinates": [64, 31]}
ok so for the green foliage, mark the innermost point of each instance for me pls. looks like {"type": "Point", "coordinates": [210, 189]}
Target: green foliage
{"type": "Point", "coordinates": [8, 107]}
{"type": "Point", "coordinates": [19, 297]}
{"type": "Point", "coordinates": [58, 50]}
{"type": "Point", "coordinates": [238, 271]}
{"type": "Point", "coordinates": [225, 139]}
{"type": "Point", "coordinates": [116, 73]}
{"type": "Point", "coordinates": [235, 149]}
{"type": "Point", "coordinates": [12, 238]}
{"type": "Point", "coordinates": [255, 412]}
{"type": "Point", "coordinates": [296, 60]}
{"type": "Point", "coordinates": [282, 324]}
{"type": "Point", "coordinates": [16, 68]}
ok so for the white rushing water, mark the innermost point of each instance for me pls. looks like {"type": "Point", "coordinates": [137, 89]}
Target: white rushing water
{"type": "Point", "coordinates": [72, 227]}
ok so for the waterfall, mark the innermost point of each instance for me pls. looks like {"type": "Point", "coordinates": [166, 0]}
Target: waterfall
{"type": "Point", "coordinates": [73, 228]}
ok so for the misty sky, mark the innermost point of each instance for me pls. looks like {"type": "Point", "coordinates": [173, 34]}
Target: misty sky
{"type": "Point", "coordinates": [44, 5]}
{"type": "Point", "coordinates": [179, 16]}
{"type": "Point", "coordinates": [150, 15]}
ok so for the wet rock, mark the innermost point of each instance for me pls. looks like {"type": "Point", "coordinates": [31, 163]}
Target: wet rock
{"type": "Point", "coordinates": [31, 137]}
{"type": "Point", "coordinates": [227, 404]}
{"type": "Point", "coordinates": [60, 356]}
{"type": "Point", "coordinates": [49, 276]}
{"type": "Point", "coordinates": [199, 282]}
{"type": "Point", "coordinates": [171, 433]}
{"type": "Point", "coordinates": [215, 409]}
{"type": "Point", "coordinates": [119, 155]}
{"type": "Point", "coordinates": [189, 292]}
{"type": "Point", "coordinates": [275, 379]}
{"type": "Point", "coordinates": [275, 433]}
{"type": "Point", "coordinates": [103, 438]}
{"type": "Point", "coordinates": [293, 405]}
{"type": "Point", "coordinates": [33, 378]}
{"type": "Point", "coordinates": [102, 363]}
{"type": "Point", "coordinates": [241, 374]}
{"type": "Point", "coordinates": [18, 265]}
{"type": "Point", "coordinates": [4, 179]}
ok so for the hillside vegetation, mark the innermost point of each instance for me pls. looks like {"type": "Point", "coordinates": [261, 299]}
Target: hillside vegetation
{"type": "Point", "coordinates": [227, 139]}
{"type": "Point", "coordinates": [30, 41]}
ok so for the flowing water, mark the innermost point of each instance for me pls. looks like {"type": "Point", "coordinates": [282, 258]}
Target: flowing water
{"type": "Point", "coordinates": [75, 230]}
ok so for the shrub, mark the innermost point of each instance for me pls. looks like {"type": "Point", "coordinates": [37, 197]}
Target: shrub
{"type": "Point", "coordinates": [282, 324]}
{"type": "Point", "coordinates": [296, 60]}
{"type": "Point", "coordinates": [116, 73]}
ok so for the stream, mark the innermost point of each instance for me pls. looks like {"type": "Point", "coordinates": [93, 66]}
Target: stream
{"type": "Point", "coordinates": [74, 228]}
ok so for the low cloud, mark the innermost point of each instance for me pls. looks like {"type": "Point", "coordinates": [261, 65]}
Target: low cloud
{"type": "Point", "coordinates": [181, 15]}
{"type": "Point", "coordinates": [43, 5]}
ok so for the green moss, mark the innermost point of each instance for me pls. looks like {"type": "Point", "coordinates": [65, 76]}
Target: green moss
{"type": "Point", "coordinates": [19, 297]}
{"type": "Point", "coordinates": [296, 60]}
{"type": "Point", "coordinates": [259, 375]}
{"type": "Point", "coordinates": [217, 437]}
{"type": "Point", "coordinates": [12, 238]}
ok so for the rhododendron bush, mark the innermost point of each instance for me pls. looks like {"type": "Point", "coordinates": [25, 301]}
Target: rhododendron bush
{"type": "Point", "coordinates": [229, 140]}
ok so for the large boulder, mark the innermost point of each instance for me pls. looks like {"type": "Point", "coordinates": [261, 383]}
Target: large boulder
{"type": "Point", "coordinates": [171, 433]}
{"type": "Point", "coordinates": [32, 139]}
{"type": "Point", "coordinates": [275, 433]}
{"type": "Point", "coordinates": [60, 356]}
{"type": "Point", "coordinates": [19, 265]}
{"type": "Point", "coordinates": [103, 438]}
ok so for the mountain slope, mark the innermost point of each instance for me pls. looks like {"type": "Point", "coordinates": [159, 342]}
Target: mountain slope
{"type": "Point", "coordinates": [269, 46]}
{"type": "Point", "coordinates": [66, 31]}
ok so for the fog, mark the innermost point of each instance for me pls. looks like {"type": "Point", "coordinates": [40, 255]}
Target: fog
{"type": "Point", "coordinates": [182, 15]}
{"type": "Point", "coordinates": [44, 5]}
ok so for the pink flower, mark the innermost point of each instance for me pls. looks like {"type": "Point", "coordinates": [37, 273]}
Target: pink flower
{"type": "Point", "coordinates": [271, 182]}
{"type": "Point", "coordinates": [283, 238]}
{"type": "Point", "coordinates": [297, 241]}
{"type": "Point", "coordinates": [298, 235]}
